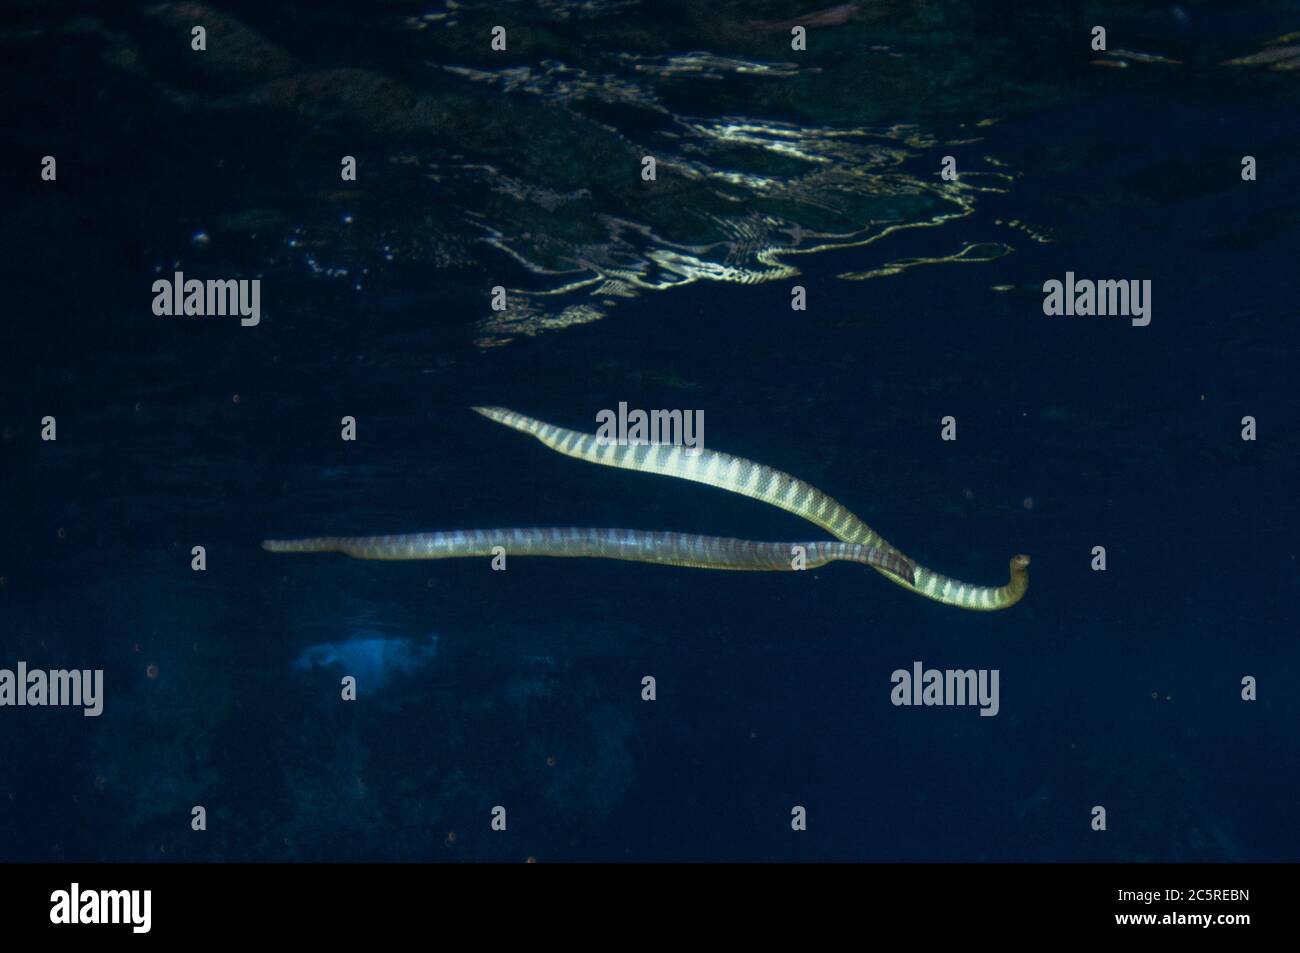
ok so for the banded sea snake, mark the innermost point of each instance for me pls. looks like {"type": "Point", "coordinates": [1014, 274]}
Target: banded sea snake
{"type": "Point", "coordinates": [855, 540]}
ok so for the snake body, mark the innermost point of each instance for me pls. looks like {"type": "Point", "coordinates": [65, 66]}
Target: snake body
{"type": "Point", "coordinates": [855, 541]}
{"type": "Point", "coordinates": [672, 549]}
{"type": "Point", "coordinates": [769, 485]}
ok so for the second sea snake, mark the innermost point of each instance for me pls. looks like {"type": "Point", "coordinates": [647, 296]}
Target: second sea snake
{"type": "Point", "coordinates": [672, 549]}
{"type": "Point", "coordinates": [856, 540]}
{"type": "Point", "coordinates": [771, 486]}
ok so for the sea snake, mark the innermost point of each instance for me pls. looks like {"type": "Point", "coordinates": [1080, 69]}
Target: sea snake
{"type": "Point", "coordinates": [771, 486]}
{"type": "Point", "coordinates": [671, 549]}
{"type": "Point", "coordinates": [857, 541]}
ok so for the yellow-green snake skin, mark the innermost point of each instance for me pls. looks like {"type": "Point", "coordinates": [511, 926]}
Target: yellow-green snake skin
{"type": "Point", "coordinates": [669, 549]}
{"type": "Point", "coordinates": [771, 486]}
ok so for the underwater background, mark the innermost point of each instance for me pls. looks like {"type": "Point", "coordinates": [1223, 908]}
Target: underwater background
{"type": "Point", "coordinates": [522, 169]}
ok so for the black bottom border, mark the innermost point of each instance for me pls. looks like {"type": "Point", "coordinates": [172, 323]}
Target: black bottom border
{"type": "Point", "coordinates": [334, 902]}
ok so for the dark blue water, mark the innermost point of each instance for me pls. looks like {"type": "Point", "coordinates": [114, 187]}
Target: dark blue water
{"type": "Point", "coordinates": [523, 689]}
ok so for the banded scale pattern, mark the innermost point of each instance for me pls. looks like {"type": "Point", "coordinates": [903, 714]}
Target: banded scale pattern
{"type": "Point", "coordinates": [772, 486]}
{"type": "Point", "coordinates": [672, 549]}
{"type": "Point", "coordinates": [712, 467]}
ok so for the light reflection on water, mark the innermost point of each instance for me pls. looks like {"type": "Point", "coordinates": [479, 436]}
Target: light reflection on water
{"type": "Point", "coordinates": [560, 215]}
